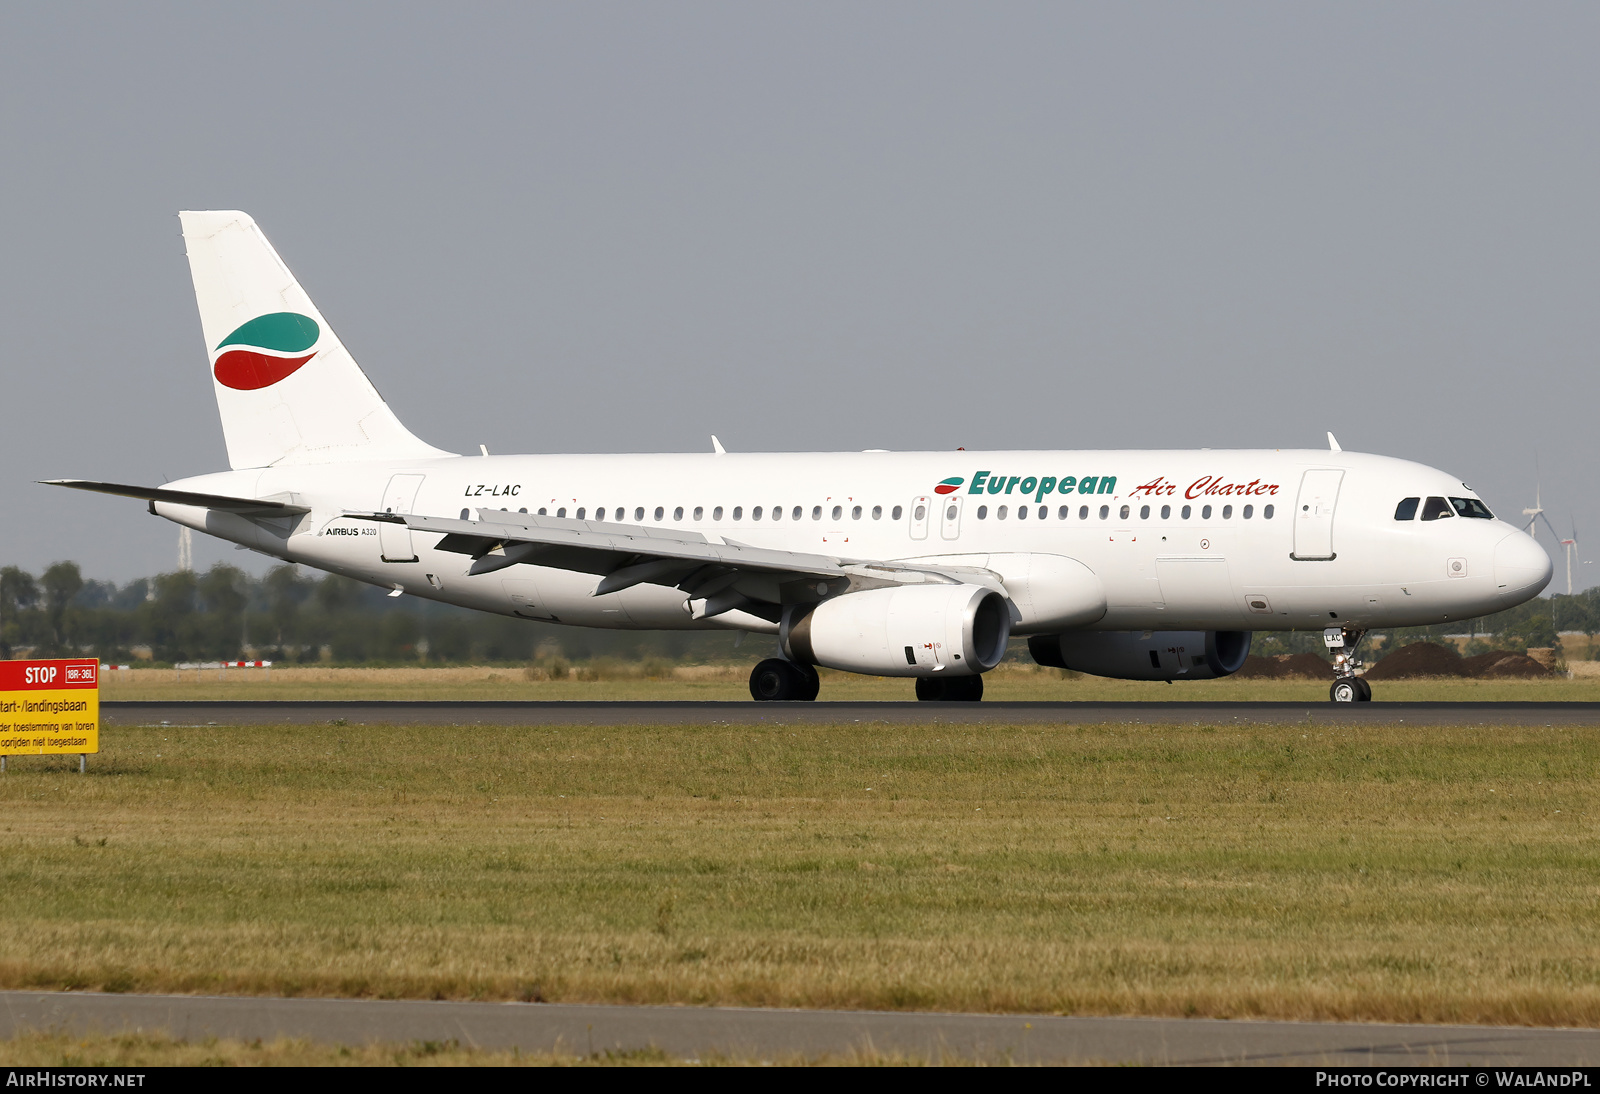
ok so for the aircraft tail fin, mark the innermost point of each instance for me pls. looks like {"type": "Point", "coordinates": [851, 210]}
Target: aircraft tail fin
{"type": "Point", "coordinates": [287, 389]}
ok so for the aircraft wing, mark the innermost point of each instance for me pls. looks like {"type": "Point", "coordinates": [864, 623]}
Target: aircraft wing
{"type": "Point", "coordinates": [245, 507]}
{"type": "Point", "coordinates": [718, 577]}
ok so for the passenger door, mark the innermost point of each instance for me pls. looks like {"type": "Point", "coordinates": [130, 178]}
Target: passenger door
{"type": "Point", "coordinates": [1313, 515]}
{"type": "Point", "coordinates": [394, 540]}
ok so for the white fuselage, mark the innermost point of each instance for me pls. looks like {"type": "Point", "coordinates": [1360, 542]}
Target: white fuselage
{"type": "Point", "coordinates": [1256, 560]}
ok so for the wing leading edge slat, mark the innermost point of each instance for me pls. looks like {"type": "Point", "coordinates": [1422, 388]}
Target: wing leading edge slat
{"type": "Point", "coordinates": [717, 577]}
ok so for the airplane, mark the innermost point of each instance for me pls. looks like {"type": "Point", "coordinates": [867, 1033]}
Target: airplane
{"type": "Point", "coordinates": [1141, 565]}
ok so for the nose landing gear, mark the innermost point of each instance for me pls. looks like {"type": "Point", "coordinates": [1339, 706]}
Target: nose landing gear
{"type": "Point", "coordinates": [1347, 686]}
{"type": "Point", "coordinates": [777, 680]}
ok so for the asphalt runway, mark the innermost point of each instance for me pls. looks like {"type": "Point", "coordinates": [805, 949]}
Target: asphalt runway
{"type": "Point", "coordinates": [700, 1032]}
{"type": "Point", "coordinates": [277, 712]}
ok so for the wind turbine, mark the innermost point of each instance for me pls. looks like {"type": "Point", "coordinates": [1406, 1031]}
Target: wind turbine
{"type": "Point", "coordinates": [1536, 514]}
{"type": "Point", "coordinates": [1571, 548]}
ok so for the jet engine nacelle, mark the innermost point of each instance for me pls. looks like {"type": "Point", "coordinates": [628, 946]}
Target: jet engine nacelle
{"type": "Point", "coordinates": [1144, 655]}
{"type": "Point", "coordinates": [914, 630]}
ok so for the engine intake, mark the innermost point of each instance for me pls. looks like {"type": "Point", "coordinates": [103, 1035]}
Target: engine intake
{"type": "Point", "coordinates": [917, 630]}
{"type": "Point", "coordinates": [1144, 655]}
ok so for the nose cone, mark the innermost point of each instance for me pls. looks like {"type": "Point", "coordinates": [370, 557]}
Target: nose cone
{"type": "Point", "coordinates": [1521, 568]}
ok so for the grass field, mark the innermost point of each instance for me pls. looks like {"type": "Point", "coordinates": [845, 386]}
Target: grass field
{"type": "Point", "coordinates": [1386, 873]}
{"type": "Point", "coordinates": [132, 1050]}
{"type": "Point", "coordinates": [1009, 681]}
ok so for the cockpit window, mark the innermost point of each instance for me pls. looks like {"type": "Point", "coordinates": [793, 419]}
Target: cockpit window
{"type": "Point", "coordinates": [1436, 509]}
{"type": "Point", "coordinates": [1472, 507]}
{"type": "Point", "coordinates": [1407, 509]}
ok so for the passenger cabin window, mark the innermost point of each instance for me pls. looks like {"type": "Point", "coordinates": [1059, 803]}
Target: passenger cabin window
{"type": "Point", "coordinates": [816, 512]}
{"type": "Point", "coordinates": [738, 512]}
{"type": "Point", "coordinates": [638, 514]}
{"type": "Point", "coordinates": [699, 512]}
{"type": "Point", "coordinates": [716, 514]}
{"type": "Point", "coordinates": [983, 512]}
{"type": "Point", "coordinates": [1185, 511]}
{"type": "Point", "coordinates": [1248, 512]}
{"type": "Point", "coordinates": [1266, 512]}
{"type": "Point", "coordinates": [1064, 512]}
{"type": "Point", "coordinates": [562, 511]}
{"type": "Point", "coordinates": [855, 514]}
{"type": "Point", "coordinates": [894, 514]}
{"type": "Point", "coordinates": [1407, 509]}
{"type": "Point", "coordinates": [1144, 512]}
{"type": "Point", "coordinates": [877, 512]}
{"type": "Point", "coordinates": [755, 514]}
{"type": "Point", "coordinates": [1227, 512]}
{"type": "Point", "coordinates": [1000, 513]}
{"type": "Point", "coordinates": [1105, 511]}
{"type": "Point", "coordinates": [1123, 515]}
{"type": "Point", "coordinates": [919, 513]}
{"type": "Point", "coordinates": [1166, 512]}
{"type": "Point", "coordinates": [1205, 512]}
{"type": "Point", "coordinates": [677, 514]}
{"type": "Point", "coordinates": [838, 512]}
{"type": "Point", "coordinates": [797, 513]}
{"type": "Point", "coordinates": [660, 512]}
{"type": "Point", "coordinates": [580, 512]}
{"type": "Point", "coordinates": [1436, 509]}
{"type": "Point", "coordinates": [1471, 507]}
{"type": "Point", "coordinates": [1022, 512]}
{"type": "Point", "coordinates": [1083, 512]}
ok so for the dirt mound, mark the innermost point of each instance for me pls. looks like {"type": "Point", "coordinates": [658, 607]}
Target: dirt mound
{"type": "Point", "coordinates": [1502, 663]}
{"type": "Point", "coordinates": [1418, 659]}
{"type": "Point", "coordinates": [1286, 666]}
{"type": "Point", "coordinates": [1432, 659]}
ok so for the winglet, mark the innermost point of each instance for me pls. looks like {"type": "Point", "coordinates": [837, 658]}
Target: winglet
{"type": "Point", "coordinates": [716, 446]}
{"type": "Point", "coordinates": [1333, 443]}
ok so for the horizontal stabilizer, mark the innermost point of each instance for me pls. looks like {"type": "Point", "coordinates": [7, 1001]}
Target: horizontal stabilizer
{"type": "Point", "coordinates": [245, 507]}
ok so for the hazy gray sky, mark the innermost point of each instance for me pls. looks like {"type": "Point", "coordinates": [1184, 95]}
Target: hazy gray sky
{"type": "Point", "coordinates": [604, 227]}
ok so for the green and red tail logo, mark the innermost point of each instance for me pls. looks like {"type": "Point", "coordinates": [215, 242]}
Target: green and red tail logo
{"type": "Point", "coordinates": [272, 347]}
{"type": "Point", "coordinates": [948, 486]}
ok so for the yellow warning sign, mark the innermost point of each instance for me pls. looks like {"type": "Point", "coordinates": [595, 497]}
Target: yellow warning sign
{"type": "Point", "coordinates": [49, 707]}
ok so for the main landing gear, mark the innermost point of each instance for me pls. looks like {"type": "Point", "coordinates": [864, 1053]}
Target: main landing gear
{"type": "Point", "coordinates": [1347, 686]}
{"type": "Point", "coordinates": [949, 689]}
{"type": "Point", "coordinates": [777, 680]}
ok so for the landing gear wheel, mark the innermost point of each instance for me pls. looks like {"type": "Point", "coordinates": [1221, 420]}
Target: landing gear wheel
{"type": "Point", "coordinates": [777, 680]}
{"type": "Point", "coordinates": [813, 682]}
{"type": "Point", "coordinates": [951, 689]}
{"type": "Point", "coordinates": [1350, 689]}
